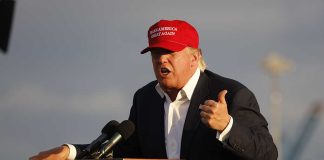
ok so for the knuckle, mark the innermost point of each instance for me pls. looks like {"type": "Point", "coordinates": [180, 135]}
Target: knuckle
{"type": "Point", "coordinates": [203, 121]}
{"type": "Point", "coordinates": [209, 102]}
{"type": "Point", "coordinates": [203, 107]}
{"type": "Point", "coordinates": [214, 110]}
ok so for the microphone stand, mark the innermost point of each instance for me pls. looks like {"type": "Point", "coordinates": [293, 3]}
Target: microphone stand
{"type": "Point", "coordinates": [99, 153]}
{"type": "Point", "coordinates": [108, 146]}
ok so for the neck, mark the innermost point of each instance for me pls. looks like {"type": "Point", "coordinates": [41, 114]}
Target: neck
{"type": "Point", "coordinates": [172, 94]}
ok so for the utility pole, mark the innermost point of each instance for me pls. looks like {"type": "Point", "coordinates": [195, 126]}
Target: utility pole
{"type": "Point", "coordinates": [276, 65]}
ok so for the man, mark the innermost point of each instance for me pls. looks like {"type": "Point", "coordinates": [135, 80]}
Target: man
{"type": "Point", "coordinates": [188, 112]}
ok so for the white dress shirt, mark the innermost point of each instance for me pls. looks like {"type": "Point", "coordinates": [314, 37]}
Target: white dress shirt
{"type": "Point", "coordinates": [175, 115]}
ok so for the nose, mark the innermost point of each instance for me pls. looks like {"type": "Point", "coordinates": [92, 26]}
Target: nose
{"type": "Point", "coordinates": [162, 58]}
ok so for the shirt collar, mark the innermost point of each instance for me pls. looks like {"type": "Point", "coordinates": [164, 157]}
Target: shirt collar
{"type": "Point", "coordinates": [188, 89]}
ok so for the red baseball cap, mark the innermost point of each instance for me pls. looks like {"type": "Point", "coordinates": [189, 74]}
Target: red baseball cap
{"type": "Point", "coordinates": [172, 35]}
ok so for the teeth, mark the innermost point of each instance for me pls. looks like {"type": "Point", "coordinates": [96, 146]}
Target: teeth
{"type": "Point", "coordinates": [164, 70]}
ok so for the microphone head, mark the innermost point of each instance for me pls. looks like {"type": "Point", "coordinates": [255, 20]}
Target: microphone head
{"type": "Point", "coordinates": [126, 129]}
{"type": "Point", "coordinates": [110, 128]}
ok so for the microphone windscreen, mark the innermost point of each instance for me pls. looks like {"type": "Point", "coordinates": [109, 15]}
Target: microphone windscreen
{"type": "Point", "coordinates": [110, 128]}
{"type": "Point", "coordinates": [126, 129]}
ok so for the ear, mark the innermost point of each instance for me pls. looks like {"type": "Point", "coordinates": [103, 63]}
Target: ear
{"type": "Point", "coordinates": [195, 58]}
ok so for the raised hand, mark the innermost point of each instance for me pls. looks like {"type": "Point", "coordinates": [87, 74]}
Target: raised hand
{"type": "Point", "coordinates": [214, 114]}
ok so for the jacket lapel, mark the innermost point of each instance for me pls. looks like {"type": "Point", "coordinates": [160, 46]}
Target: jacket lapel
{"type": "Point", "coordinates": [193, 116]}
{"type": "Point", "coordinates": [154, 130]}
{"type": "Point", "coordinates": [160, 121]}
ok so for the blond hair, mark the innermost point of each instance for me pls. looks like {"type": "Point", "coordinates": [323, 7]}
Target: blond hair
{"type": "Point", "coordinates": [201, 64]}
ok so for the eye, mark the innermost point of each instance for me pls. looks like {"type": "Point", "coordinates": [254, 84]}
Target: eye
{"type": "Point", "coordinates": [155, 55]}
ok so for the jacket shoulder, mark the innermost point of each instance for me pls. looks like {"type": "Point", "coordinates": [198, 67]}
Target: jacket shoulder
{"type": "Point", "coordinates": [227, 83]}
{"type": "Point", "coordinates": [147, 89]}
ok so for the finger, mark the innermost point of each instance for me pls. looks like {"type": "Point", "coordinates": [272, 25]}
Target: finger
{"type": "Point", "coordinates": [206, 109]}
{"type": "Point", "coordinates": [205, 121]}
{"type": "Point", "coordinates": [204, 115]}
{"type": "Point", "coordinates": [36, 157]}
{"type": "Point", "coordinates": [210, 103]}
{"type": "Point", "coordinates": [221, 96]}
{"type": "Point", "coordinates": [32, 158]}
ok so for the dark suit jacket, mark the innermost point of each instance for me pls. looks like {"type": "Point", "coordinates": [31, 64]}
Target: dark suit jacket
{"type": "Point", "coordinates": [249, 137]}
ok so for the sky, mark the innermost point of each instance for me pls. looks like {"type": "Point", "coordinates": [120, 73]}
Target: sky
{"type": "Point", "coordinates": [74, 65]}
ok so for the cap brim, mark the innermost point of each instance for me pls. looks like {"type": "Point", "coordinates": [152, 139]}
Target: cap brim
{"type": "Point", "coordinates": [165, 45]}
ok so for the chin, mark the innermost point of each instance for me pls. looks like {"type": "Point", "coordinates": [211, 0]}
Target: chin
{"type": "Point", "coordinates": [166, 85]}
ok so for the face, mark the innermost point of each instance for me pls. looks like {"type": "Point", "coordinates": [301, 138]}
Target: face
{"type": "Point", "coordinates": [173, 69]}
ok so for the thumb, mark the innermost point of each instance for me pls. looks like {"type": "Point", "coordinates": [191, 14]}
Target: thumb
{"type": "Point", "coordinates": [221, 96]}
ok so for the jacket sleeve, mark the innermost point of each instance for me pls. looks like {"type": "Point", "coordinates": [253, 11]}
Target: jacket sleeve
{"type": "Point", "coordinates": [249, 136]}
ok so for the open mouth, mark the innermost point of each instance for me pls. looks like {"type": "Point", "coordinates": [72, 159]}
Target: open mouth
{"type": "Point", "coordinates": [165, 71]}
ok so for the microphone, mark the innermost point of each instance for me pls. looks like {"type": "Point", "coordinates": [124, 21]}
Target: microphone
{"type": "Point", "coordinates": [123, 131]}
{"type": "Point", "coordinates": [107, 132]}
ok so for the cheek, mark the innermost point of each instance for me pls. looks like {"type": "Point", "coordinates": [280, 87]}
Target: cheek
{"type": "Point", "coordinates": [181, 68]}
{"type": "Point", "coordinates": [155, 68]}
{"type": "Point", "coordinates": [183, 63]}
{"type": "Point", "coordinates": [156, 71]}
